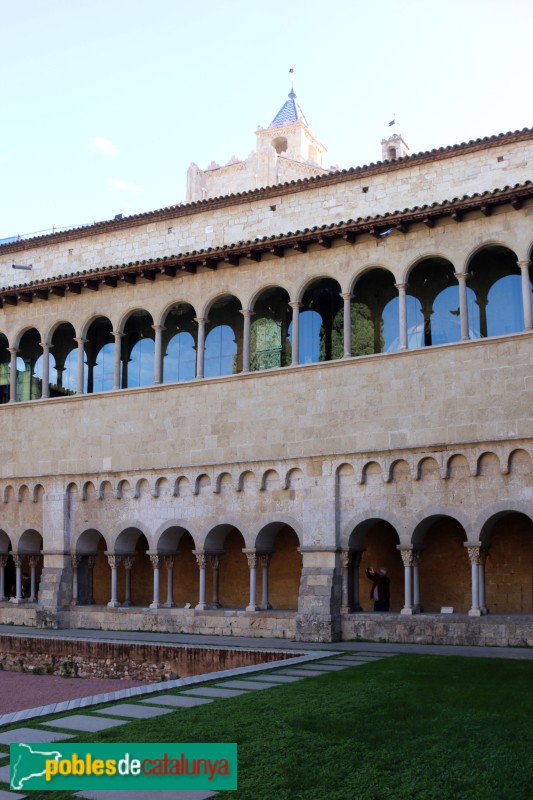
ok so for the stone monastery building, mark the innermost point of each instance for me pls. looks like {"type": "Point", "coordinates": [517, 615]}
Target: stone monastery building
{"type": "Point", "coordinates": [216, 415]}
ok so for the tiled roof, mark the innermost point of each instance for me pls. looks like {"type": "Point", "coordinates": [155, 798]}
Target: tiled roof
{"type": "Point", "coordinates": [289, 113]}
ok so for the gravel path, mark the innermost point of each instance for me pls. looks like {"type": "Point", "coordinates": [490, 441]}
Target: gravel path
{"type": "Point", "coordinates": [20, 690]}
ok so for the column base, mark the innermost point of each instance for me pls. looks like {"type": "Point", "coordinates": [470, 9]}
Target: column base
{"type": "Point", "coordinates": [169, 605]}
{"type": "Point", "coordinates": [74, 602]}
{"type": "Point", "coordinates": [126, 603]}
{"type": "Point", "coordinates": [155, 605]}
{"type": "Point", "coordinates": [113, 604]}
{"type": "Point", "coordinates": [252, 607]}
{"type": "Point", "coordinates": [266, 607]}
{"type": "Point", "coordinates": [16, 600]}
{"type": "Point", "coordinates": [215, 605]}
{"type": "Point", "coordinates": [474, 612]}
{"type": "Point", "coordinates": [408, 612]}
{"type": "Point", "coordinates": [201, 607]}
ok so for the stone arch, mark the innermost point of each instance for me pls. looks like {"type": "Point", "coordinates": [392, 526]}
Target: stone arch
{"type": "Point", "coordinates": [223, 483]}
{"type": "Point", "coordinates": [278, 547]}
{"type": "Point", "coordinates": [23, 494]}
{"type": "Point", "coordinates": [227, 540]}
{"type": "Point", "coordinates": [374, 541]}
{"type": "Point", "coordinates": [279, 284]}
{"type": "Point", "coordinates": [182, 486]}
{"type": "Point", "coordinates": [162, 487]}
{"type": "Point", "coordinates": [38, 493]}
{"type": "Point", "coordinates": [5, 541]}
{"type": "Point", "coordinates": [496, 283]}
{"type": "Point", "coordinates": [8, 494]}
{"type": "Point", "coordinates": [424, 519]}
{"type": "Point", "coordinates": [428, 468]}
{"type": "Point", "coordinates": [294, 479]}
{"type": "Point", "coordinates": [399, 471]}
{"type": "Point", "coordinates": [372, 473]}
{"type": "Point", "coordinates": [374, 310]}
{"type": "Point", "coordinates": [457, 467]}
{"type": "Point", "coordinates": [202, 483]}
{"type": "Point", "coordinates": [354, 531]}
{"type": "Point", "coordinates": [142, 488]}
{"type": "Point", "coordinates": [224, 330]}
{"type": "Point", "coordinates": [519, 463]}
{"type": "Point", "coordinates": [488, 463]}
{"type": "Point", "coordinates": [179, 341]}
{"type": "Point", "coordinates": [247, 482]}
{"type": "Point", "coordinates": [270, 343]}
{"type": "Point", "coordinates": [88, 491]}
{"type": "Point", "coordinates": [124, 490]}
{"type": "Point", "coordinates": [270, 480]}
{"type": "Point", "coordinates": [86, 543]}
{"type": "Point", "coordinates": [507, 539]}
{"type": "Point", "coordinates": [30, 542]}
{"type": "Point", "coordinates": [496, 511]}
{"type": "Point", "coordinates": [106, 491]}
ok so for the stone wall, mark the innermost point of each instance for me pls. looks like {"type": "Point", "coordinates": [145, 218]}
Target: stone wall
{"type": "Point", "coordinates": [89, 659]}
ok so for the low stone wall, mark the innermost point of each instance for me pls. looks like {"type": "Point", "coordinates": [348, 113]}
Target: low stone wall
{"type": "Point", "coordinates": [459, 629]}
{"type": "Point", "coordinates": [151, 662]}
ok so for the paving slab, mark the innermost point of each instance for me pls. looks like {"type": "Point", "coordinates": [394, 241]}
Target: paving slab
{"type": "Point", "coordinates": [133, 711]}
{"type": "Point", "coordinates": [4, 774]}
{"type": "Point", "coordinates": [178, 700]}
{"type": "Point", "coordinates": [32, 735]}
{"type": "Point", "coordinates": [255, 685]}
{"type": "Point", "coordinates": [357, 658]}
{"type": "Point", "coordinates": [303, 673]}
{"type": "Point", "coordinates": [81, 722]}
{"type": "Point", "coordinates": [328, 667]}
{"type": "Point", "coordinates": [148, 794]}
{"type": "Point", "coordinates": [213, 691]}
{"type": "Point", "coordinates": [12, 796]}
{"type": "Point", "coordinates": [276, 678]}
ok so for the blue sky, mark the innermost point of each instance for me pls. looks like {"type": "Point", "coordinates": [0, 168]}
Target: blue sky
{"type": "Point", "coordinates": [105, 104]}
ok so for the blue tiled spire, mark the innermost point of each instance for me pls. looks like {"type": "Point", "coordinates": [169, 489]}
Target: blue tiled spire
{"type": "Point", "coordinates": [289, 113]}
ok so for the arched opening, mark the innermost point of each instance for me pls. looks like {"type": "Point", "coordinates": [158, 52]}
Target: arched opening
{"type": "Point", "coordinates": [29, 547]}
{"type": "Point", "coordinates": [279, 567]}
{"type": "Point", "coordinates": [227, 543]}
{"type": "Point", "coordinates": [138, 350]}
{"type": "Point", "coordinates": [270, 345]}
{"type": "Point", "coordinates": [92, 568]}
{"type": "Point", "coordinates": [373, 545]}
{"type": "Point", "coordinates": [495, 281]}
{"type": "Point", "coordinates": [176, 546]}
{"type": "Point", "coordinates": [321, 322]}
{"type": "Point", "coordinates": [508, 541]}
{"type": "Point", "coordinates": [29, 382]}
{"type": "Point", "coordinates": [445, 573]}
{"type": "Point", "coordinates": [374, 310]}
{"type": "Point", "coordinates": [7, 568]}
{"type": "Point", "coordinates": [63, 361]}
{"type": "Point", "coordinates": [179, 344]}
{"type": "Point", "coordinates": [223, 341]}
{"type": "Point", "coordinates": [5, 361]}
{"type": "Point", "coordinates": [433, 313]}
{"type": "Point", "coordinates": [99, 352]}
{"type": "Point", "coordinates": [137, 587]}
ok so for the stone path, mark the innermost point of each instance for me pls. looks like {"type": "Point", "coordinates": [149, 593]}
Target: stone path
{"type": "Point", "coordinates": [148, 707]}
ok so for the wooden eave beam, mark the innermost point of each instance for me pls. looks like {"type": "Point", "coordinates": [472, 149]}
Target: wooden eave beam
{"type": "Point", "coordinates": [74, 288]}
{"type": "Point", "coordinates": [402, 227]}
{"type": "Point", "coordinates": [277, 250]}
{"type": "Point", "coordinates": [232, 259]}
{"type": "Point", "coordinates": [517, 203]}
{"type": "Point", "coordinates": [429, 222]}
{"type": "Point", "coordinates": [300, 247]}
{"type": "Point", "coordinates": [110, 280]}
{"type": "Point", "coordinates": [457, 215]}
{"type": "Point", "coordinates": [486, 210]}
{"type": "Point", "coordinates": [209, 263]}
{"type": "Point", "coordinates": [188, 266]}
{"type": "Point", "coordinates": [253, 255]}
{"type": "Point", "coordinates": [350, 237]}
{"type": "Point", "coordinates": [42, 294]}
{"type": "Point", "coordinates": [26, 297]}
{"type": "Point", "coordinates": [11, 299]}
{"type": "Point", "coordinates": [149, 274]}
{"type": "Point", "coordinates": [129, 277]}
{"type": "Point", "coordinates": [93, 285]}
{"type": "Point", "coordinates": [57, 291]}
{"type": "Point", "coordinates": [170, 270]}
{"type": "Point", "coordinates": [325, 241]}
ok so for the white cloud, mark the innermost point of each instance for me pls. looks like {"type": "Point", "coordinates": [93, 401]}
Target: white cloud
{"type": "Point", "coordinates": [124, 186]}
{"type": "Point", "coordinates": [104, 146]}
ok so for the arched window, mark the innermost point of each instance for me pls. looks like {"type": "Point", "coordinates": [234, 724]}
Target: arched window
{"type": "Point", "coordinates": [321, 322]}
{"type": "Point", "coordinates": [223, 342]}
{"type": "Point", "coordinates": [138, 350]}
{"type": "Point", "coordinates": [435, 317]}
{"type": "Point", "coordinates": [495, 280]}
{"type": "Point", "coordinates": [270, 346]}
{"type": "Point", "coordinates": [179, 344]}
{"type": "Point", "coordinates": [5, 360]}
{"type": "Point", "coordinates": [29, 381]}
{"type": "Point", "coordinates": [374, 311]}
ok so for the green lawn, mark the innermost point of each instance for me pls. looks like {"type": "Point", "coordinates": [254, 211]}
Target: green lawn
{"type": "Point", "coordinates": [405, 728]}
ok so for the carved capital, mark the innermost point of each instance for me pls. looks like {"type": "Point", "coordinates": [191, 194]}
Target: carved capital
{"type": "Point", "coordinates": [17, 560]}
{"type": "Point", "coordinates": [474, 555]}
{"type": "Point", "coordinates": [407, 557]}
{"type": "Point", "coordinates": [113, 561]}
{"type": "Point", "coordinates": [346, 558]}
{"type": "Point", "coordinates": [3, 560]}
{"type": "Point", "coordinates": [215, 562]}
{"type": "Point", "coordinates": [91, 561]}
{"type": "Point", "coordinates": [201, 560]}
{"type": "Point", "coordinates": [156, 560]}
{"type": "Point", "coordinates": [252, 560]}
{"type": "Point", "coordinates": [356, 558]}
{"type": "Point", "coordinates": [169, 562]}
{"type": "Point", "coordinates": [75, 560]}
{"type": "Point", "coordinates": [264, 559]}
{"type": "Point", "coordinates": [33, 561]}
{"type": "Point", "coordinates": [128, 561]}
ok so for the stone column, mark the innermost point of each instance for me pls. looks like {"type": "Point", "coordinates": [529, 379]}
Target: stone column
{"type": "Point", "coordinates": [483, 552]}
{"type": "Point", "coordinates": [474, 556]}
{"type": "Point", "coordinates": [246, 340]}
{"type": "Point", "coordinates": [33, 562]}
{"type": "Point", "coordinates": [3, 563]}
{"type": "Point", "coordinates": [128, 565]}
{"type": "Point", "coordinates": [264, 560]}
{"type": "Point", "coordinates": [200, 346]}
{"type": "Point", "coordinates": [17, 560]}
{"type": "Point", "coordinates": [113, 561]}
{"type": "Point", "coordinates": [158, 353]}
{"type": "Point", "coordinates": [156, 560]}
{"type": "Point", "coordinates": [295, 343]}
{"type": "Point", "coordinates": [356, 563]}
{"type": "Point", "coordinates": [417, 607]}
{"type": "Point", "coordinates": [169, 564]}
{"type": "Point", "coordinates": [346, 558]}
{"type": "Point", "coordinates": [117, 353]}
{"type": "Point", "coordinates": [91, 561]}
{"type": "Point", "coordinates": [75, 560]}
{"type": "Point", "coordinates": [215, 566]}
{"type": "Point", "coordinates": [252, 566]}
{"type": "Point", "coordinates": [45, 388]}
{"type": "Point", "coordinates": [201, 560]}
{"type": "Point", "coordinates": [526, 293]}
{"type": "Point", "coordinates": [13, 375]}
{"type": "Point", "coordinates": [463, 305]}
{"type": "Point", "coordinates": [407, 558]}
{"type": "Point", "coordinates": [79, 365]}
{"type": "Point", "coordinates": [402, 314]}
{"type": "Point", "coordinates": [347, 327]}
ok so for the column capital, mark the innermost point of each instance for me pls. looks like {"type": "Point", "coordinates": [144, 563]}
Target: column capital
{"type": "Point", "coordinates": [116, 334]}
{"type": "Point", "coordinates": [295, 304]}
{"type": "Point", "coordinates": [461, 276]}
{"type": "Point", "coordinates": [346, 295]}
{"type": "Point", "coordinates": [17, 559]}
{"type": "Point", "coordinates": [406, 552]}
{"type": "Point", "coordinates": [524, 263]}
{"type": "Point", "coordinates": [3, 560]}
{"type": "Point", "coordinates": [80, 339]}
{"type": "Point", "coordinates": [45, 346]}
{"type": "Point", "coordinates": [246, 312]}
{"type": "Point", "coordinates": [156, 560]}
{"type": "Point", "coordinates": [474, 551]}
{"type": "Point", "coordinates": [169, 561]}
{"type": "Point", "coordinates": [158, 328]}
{"type": "Point", "coordinates": [128, 561]}
{"type": "Point", "coordinates": [251, 559]}
{"type": "Point", "coordinates": [91, 561]}
{"type": "Point", "coordinates": [13, 350]}
{"type": "Point", "coordinates": [33, 560]}
{"type": "Point", "coordinates": [75, 560]}
{"type": "Point", "coordinates": [215, 561]}
{"type": "Point", "coordinates": [264, 559]}
{"type": "Point", "coordinates": [201, 559]}
{"type": "Point", "coordinates": [113, 560]}
{"type": "Point", "coordinates": [401, 286]}
{"type": "Point", "coordinates": [201, 320]}
{"type": "Point", "coordinates": [346, 558]}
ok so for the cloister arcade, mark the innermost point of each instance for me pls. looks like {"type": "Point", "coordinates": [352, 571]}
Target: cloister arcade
{"type": "Point", "coordinates": [323, 320]}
